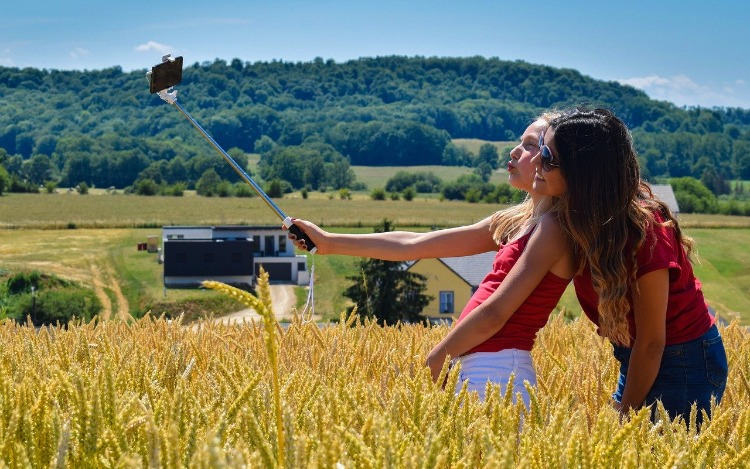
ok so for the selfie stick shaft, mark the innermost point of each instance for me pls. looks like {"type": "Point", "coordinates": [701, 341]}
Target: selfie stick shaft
{"type": "Point", "coordinates": [233, 163]}
{"type": "Point", "coordinates": [287, 221]}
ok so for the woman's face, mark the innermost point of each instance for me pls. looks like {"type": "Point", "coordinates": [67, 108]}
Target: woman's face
{"type": "Point", "coordinates": [549, 183]}
{"type": "Point", "coordinates": [520, 167]}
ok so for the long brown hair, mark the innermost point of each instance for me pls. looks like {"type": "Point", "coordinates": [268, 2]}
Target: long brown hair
{"type": "Point", "coordinates": [606, 209]}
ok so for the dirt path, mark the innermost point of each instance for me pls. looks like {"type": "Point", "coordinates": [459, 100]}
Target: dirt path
{"type": "Point", "coordinates": [103, 278]}
{"type": "Point", "coordinates": [96, 280]}
{"type": "Point", "coordinates": [283, 300]}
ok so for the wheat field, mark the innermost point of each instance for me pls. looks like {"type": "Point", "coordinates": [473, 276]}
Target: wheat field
{"type": "Point", "coordinates": [153, 393]}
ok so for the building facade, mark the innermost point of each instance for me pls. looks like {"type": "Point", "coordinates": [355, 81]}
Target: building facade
{"type": "Point", "coordinates": [229, 254]}
{"type": "Point", "coordinates": [451, 281]}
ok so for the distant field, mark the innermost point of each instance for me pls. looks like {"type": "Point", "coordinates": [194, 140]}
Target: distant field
{"type": "Point", "coordinates": [473, 145]}
{"type": "Point", "coordinates": [377, 176]}
{"type": "Point", "coordinates": [131, 211]}
{"type": "Point", "coordinates": [36, 233]}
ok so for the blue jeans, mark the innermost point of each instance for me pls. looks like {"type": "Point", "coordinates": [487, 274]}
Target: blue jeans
{"type": "Point", "coordinates": [690, 372]}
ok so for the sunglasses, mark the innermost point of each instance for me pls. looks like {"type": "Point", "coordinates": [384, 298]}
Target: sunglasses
{"type": "Point", "coordinates": [546, 154]}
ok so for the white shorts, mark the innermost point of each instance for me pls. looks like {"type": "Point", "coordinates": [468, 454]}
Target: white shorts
{"type": "Point", "coordinates": [496, 367]}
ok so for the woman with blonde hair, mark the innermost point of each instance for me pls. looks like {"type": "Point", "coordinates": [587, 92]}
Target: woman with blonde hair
{"type": "Point", "coordinates": [494, 334]}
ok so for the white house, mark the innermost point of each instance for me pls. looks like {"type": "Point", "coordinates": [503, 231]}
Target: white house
{"type": "Point", "coordinates": [231, 254]}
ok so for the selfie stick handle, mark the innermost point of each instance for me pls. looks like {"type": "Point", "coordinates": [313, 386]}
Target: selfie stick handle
{"type": "Point", "coordinates": [171, 98]}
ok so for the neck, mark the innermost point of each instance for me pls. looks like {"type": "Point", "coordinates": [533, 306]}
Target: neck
{"type": "Point", "coordinates": [542, 204]}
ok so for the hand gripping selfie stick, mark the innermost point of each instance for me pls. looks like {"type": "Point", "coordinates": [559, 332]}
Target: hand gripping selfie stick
{"type": "Point", "coordinates": [162, 78]}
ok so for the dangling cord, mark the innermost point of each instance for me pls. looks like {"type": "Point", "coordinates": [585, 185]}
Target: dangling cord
{"type": "Point", "coordinates": [309, 310]}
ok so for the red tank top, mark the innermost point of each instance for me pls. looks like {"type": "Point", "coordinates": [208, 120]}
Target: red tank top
{"type": "Point", "coordinates": [687, 314]}
{"type": "Point", "coordinates": [520, 330]}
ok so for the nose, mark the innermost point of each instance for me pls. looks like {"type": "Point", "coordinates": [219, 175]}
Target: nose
{"type": "Point", "coordinates": [515, 153]}
{"type": "Point", "coordinates": [536, 160]}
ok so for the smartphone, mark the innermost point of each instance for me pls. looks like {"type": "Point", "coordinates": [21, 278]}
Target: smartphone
{"type": "Point", "coordinates": [166, 74]}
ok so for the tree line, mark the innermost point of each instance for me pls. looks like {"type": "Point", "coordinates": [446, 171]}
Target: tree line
{"type": "Point", "coordinates": [310, 121]}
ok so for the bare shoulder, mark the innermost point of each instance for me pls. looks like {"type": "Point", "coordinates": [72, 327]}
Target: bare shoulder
{"type": "Point", "coordinates": [549, 227]}
{"type": "Point", "coordinates": [554, 244]}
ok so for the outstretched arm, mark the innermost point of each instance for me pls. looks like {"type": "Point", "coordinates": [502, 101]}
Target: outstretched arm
{"type": "Point", "coordinates": [548, 249]}
{"type": "Point", "coordinates": [401, 245]}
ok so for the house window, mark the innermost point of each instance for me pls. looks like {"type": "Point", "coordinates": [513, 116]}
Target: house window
{"type": "Point", "coordinates": [282, 243]}
{"type": "Point", "coordinates": [446, 302]}
{"type": "Point", "coordinates": [269, 251]}
{"type": "Point", "coordinates": [301, 267]}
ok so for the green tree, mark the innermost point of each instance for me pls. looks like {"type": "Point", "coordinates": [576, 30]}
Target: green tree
{"type": "Point", "coordinates": [264, 144]}
{"type": "Point", "coordinates": [146, 186]}
{"type": "Point", "coordinates": [208, 184]}
{"type": "Point", "coordinates": [692, 196]}
{"type": "Point", "coordinates": [386, 291]}
{"type": "Point", "coordinates": [4, 179]}
{"type": "Point", "coordinates": [275, 189]}
{"type": "Point", "coordinates": [488, 154]}
{"type": "Point", "coordinates": [40, 169]}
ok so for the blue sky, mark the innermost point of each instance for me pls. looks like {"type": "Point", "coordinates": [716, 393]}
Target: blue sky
{"type": "Point", "coordinates": [688, 52]}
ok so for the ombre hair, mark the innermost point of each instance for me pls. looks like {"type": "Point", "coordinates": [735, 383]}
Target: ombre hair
{"type": "Point", "coordinates": [607, 209]}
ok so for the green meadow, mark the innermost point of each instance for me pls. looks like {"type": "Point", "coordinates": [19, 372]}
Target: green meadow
{"type": "Point", "coordinates": [93, 239]}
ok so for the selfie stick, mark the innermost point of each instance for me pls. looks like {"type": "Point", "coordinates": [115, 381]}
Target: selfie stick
{"type": "Point", "coordinates": [171, 98]}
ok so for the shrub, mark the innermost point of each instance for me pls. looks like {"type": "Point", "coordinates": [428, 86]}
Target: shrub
{"type": "Point", "coordinates": [58, 305]}
{"type": "Point", "coordinates": [275, 189]}
{"type": "Point", "coordinates": [146, 186]}
{"type": "Point", "coordinates": [22, 282]}
{"type": "Point", "coordinates": [176, 190]}
{"type": "Point", "coordinates": [224, 189]}
{"type": "Point", "coordinates": [243, 189]}
{"type": "Point", "coordinates": [378, 194]}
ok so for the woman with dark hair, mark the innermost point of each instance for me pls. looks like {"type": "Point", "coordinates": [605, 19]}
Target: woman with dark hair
{"type": "Point", "coordinates": [635, 279]}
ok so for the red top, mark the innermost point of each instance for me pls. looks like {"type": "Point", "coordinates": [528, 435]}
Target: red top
{"type": "Point", "coordinates": [687, 314]}
{"type": "Point", "coordinates": [520, 330]}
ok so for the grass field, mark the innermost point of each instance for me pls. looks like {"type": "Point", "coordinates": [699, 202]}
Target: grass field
{"type": "Point", "coordinates": [377, 176]}
{"type": "Point", "coordinates": [101, 251]}
{"type": "Point", "coordinates": [474, 144]}
{"type": "Point", "coordinates": [60, 211]}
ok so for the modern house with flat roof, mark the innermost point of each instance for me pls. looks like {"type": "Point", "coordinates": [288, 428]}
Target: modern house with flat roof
{"type": "Point", "coordinates": [232, 254]}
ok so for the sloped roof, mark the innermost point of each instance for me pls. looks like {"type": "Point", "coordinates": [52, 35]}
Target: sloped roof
{"type": "Point", "coordinates": [472, 269]}
{"type": "Point", "coordinates": [665, 193]}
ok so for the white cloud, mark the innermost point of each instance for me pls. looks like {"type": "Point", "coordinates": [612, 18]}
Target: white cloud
{"type": "Point", "coordinates": [78, 52]}
{"type": "Point", "coordinates": [154, 46]}
{"type": "Point", "coordinates": [683, 91]}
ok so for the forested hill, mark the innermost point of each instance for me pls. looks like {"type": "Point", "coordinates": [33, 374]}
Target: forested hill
{"type": "Point", "coordinates": [103, 127]}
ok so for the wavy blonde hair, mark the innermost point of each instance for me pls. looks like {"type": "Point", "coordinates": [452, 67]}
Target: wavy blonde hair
{"type": "Point", "coordinates": [607, 210]}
